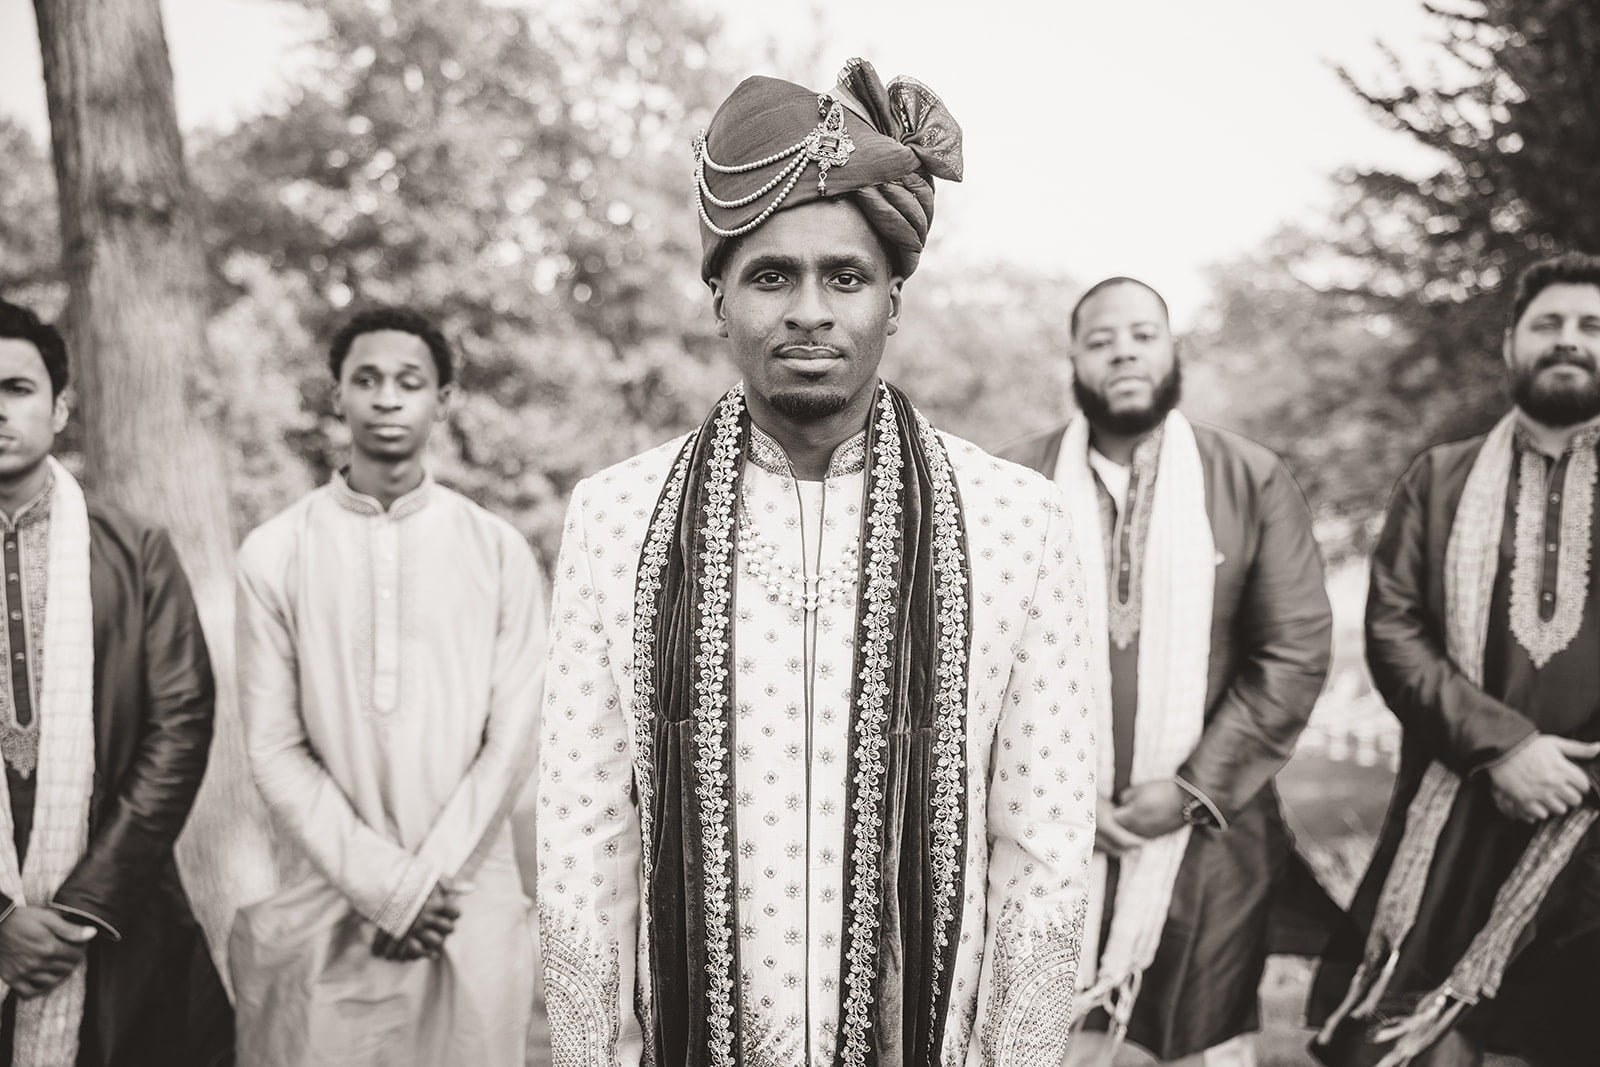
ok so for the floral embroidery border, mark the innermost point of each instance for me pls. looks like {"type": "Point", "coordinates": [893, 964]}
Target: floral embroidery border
{"type": "Point", "coordinates": [1124, 617]}
{"type": "Point", "coordinates": [950, 701]}
{"type": "Point", "coordinates": [1033, 985]}
{"type": "Point", "coordinates": [877, 627]}
{"type": "Point", "coordinates": [652, 561]}
{"type": "Point", "coordinates": [713, 758]}
{"type": "Point", "coordinates": [1540, 638]}
{"type": "Point", "coordinates": [713, 767]}
{"type": "Point", "coordinates": [582, 980]}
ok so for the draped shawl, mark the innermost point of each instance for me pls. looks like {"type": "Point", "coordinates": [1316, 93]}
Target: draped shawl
{"type": "Point", "coordinates": [1179, 581]}
{"type": "Point", "coordinates": [1471, 557]}
{"type": "Point", "coordinates": [907, 772]}
{"type": "Point", "coordinates": [47, 1026]}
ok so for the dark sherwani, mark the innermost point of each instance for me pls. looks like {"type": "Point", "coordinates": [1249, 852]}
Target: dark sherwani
{"type": "Point", "coordinates": [1270, 635]}
{"type": "Point", "coordinates": [153, 994]}
{"type": "Point", "coordinates": [1548, 1002]}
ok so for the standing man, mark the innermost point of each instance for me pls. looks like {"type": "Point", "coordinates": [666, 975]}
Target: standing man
{"type": "Point", "coordinates": [1207, 581]}
{"type": "Point", "coordinates": [105, 725]}
{"type": "Point", "coordinates": [390, 655]}
{"type": "Point", "coordinates": [1481, 909]}
{"type": "Point", "coordinates": [817, 775]}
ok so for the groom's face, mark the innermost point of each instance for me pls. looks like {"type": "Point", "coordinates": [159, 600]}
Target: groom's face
{"type": "Point", "coordinates": [807, 301]}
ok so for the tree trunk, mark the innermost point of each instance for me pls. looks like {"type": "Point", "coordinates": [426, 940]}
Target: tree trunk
{"type": "Point", "coordinates": [143, 372]}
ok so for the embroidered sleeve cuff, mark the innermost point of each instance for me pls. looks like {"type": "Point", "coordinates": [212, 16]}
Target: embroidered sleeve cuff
{"type": "Point", "coordinates": [1033, 981]}
{"type": "Point", "coordinates": [1195, 791]}
{"type": "Point", "coordinates": [93, 920]}
{"type": "Point", "coordinates": [405, 903]}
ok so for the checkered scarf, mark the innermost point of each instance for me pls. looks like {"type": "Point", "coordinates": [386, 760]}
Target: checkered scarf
{"type": "Point", "coordinates": [47, 1026]}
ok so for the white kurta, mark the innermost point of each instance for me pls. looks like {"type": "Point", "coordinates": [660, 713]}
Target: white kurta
{"type": "Point", "coordinates": [1029, 744]}
{"type": "Point", "coordinates": [390, 664]}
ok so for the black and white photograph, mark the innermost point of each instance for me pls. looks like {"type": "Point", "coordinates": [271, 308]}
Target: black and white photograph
{"type": "Point", "coordinates": [696, 533]}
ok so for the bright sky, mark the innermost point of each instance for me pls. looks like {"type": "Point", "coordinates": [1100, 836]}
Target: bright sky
{"type": "Point", "coordinates": [1144, 137]}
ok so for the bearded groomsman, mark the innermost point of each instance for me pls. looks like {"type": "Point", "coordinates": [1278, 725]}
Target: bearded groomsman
{"type": "Point", "coordinates": [1481, 908]}
{"type": "Point", "coordinates": [1208, 586]}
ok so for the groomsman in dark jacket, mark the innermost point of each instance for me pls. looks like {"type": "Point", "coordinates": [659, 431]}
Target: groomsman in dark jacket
{"type": "Point", "coordinates": [105, 725]}
{"type": "Point", "coordinates": [1481, 908]}
{"type": "Point", "coordinates": [1211, 595]}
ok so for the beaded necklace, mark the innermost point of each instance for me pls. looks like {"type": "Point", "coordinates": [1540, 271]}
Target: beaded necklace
{"type": "Point", "coordinates": [788, 583]}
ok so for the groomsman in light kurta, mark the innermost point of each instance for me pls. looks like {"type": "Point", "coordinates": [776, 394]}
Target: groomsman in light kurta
{"type": "Point", "coordinates": [390, 654]}
{"type": "Point", "coordinates": [817, 773]}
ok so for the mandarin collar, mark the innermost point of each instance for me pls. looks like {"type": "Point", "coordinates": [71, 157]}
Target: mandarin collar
{"type": "Point", "coordinates": [1588, 437]}
{"type": "Point", "coordinates": [35, 510]}
{"type": "Point", "coordinates": [849, 458]}
{"type": "Point", "coordinates": [362, 504]}
{"type": "Point", "coordinates": [1145, 452]}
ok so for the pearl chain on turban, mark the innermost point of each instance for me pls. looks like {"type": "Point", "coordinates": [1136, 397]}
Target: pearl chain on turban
{"type": "Point", "coordinates": [881, 146]}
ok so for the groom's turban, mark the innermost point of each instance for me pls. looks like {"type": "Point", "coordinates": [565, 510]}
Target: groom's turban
{"type": "Point", "coordinates": [774, 145]}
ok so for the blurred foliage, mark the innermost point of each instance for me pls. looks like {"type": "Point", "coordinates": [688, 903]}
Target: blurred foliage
{"type": "Point", "coordinates": [1307, 369]}
{"type": "Point", "coordinates": [517, 175]}
{"type": "Point", "coordinates": [982, 349]}
{"type": "Point", "coordinates": [30, 240]}
{"type": "Point", "coordinates": [521, 173]}
{"type": "Point", "coordinates": [30, 245]}
{"type": "Point", "coordinates": [1365, 343]}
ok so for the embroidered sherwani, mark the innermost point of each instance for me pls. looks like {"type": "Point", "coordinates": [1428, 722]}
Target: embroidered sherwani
{"type": "Point", "coordinates": [1541, 674]}
{"type": "Point", "coordinates": [389, 668]}
{"type": "Point", "coordinates": [1029, 828]}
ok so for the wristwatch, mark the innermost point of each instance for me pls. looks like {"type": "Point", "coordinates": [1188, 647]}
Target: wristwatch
{"type": "Point", "coordinates": [1195, 813]}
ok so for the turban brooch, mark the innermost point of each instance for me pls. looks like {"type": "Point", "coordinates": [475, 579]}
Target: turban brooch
{"type": "Point", "coordinates": [774, 145]}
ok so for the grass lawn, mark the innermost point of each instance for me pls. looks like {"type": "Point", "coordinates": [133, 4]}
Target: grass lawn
{"type": "Point", "coordinates": [1335, 809]}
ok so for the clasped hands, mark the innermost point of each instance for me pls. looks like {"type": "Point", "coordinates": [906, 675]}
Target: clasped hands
{"type": "Point", "coordinates": [435, 922]}
{"type": "Point", "coordinates": [1542, 778]}
{"type": "Point", "coordinates": [1143, 811]}
{"type": "Point", "coordinates": [39, 948]}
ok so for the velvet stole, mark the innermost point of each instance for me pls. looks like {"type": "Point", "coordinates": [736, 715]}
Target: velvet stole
{"type": "Point", "coordinates": [912, 989]}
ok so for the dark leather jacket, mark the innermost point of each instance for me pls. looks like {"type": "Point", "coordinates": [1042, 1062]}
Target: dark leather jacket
{"type": "Point", "coordinates": [153, 697]}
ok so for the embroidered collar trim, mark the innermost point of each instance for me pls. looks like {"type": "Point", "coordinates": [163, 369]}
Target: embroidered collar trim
{"type": "Point", "coordinates": [1123, 616]}
{"type": "Point", "coordinates": [1544, 638]}
{"type": "Point", "coordinates": [362, 504]}
{"type": "Point", "coordinates": [849, 458]}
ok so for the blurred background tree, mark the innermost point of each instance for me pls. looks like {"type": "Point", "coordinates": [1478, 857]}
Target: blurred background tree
{"type": "Point", "coordinates": [30, 239]}
{"type": "Point", "coordinates": [516, 175]}
{"type": "Point", "coordinates": [520, 171]}
{"type": "Point", "coordinates": [151, 421]}
{"type": "Point", "coordinates": [521, 174]}
{"type": "Point", "coordinates": [1380, 334]}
